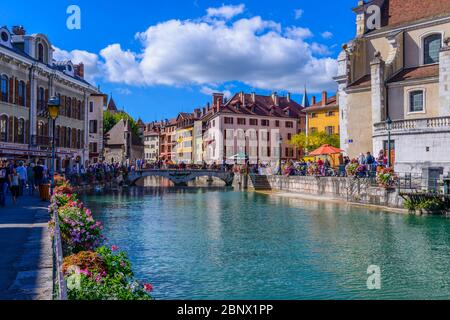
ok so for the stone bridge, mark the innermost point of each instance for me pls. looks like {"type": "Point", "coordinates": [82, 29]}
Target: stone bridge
{"type": "Point", "coordinates": [182, 177]}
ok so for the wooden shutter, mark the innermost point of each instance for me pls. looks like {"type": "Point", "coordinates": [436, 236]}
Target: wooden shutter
{"type": "Point", "coordinates": [63, 106]}
{"type": "Point", "coordinates": [28, 98]}
{"type": "Point", "coordinates": [74, 108]}
{"type": "Point", "coordinates": [11, 90]}
{"type": "Point", "coordinates": [74, 138]}
{"type": "Point", "coordinates": [16, 96]}
{"type": "Point", "coordinates": [16, 130]}
{"type": "Point", "coordinates": [46, 99]}
{"type": "Point", "coordinates": [26, 131]}
{"type": "Point", "coordinates": [11, 129]}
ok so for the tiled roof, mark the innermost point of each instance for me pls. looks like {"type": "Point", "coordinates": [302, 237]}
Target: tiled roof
{"type": "Point", "coordinates": [398, 12]}
{"type": "Point", "coordinates": [331, 103]}
{"type": "Point", "coordinates": [111, 105]}
{"type": "Point", "coordinates": [416, 73]}
{"type": "Point", "coordinates": [263, 106]}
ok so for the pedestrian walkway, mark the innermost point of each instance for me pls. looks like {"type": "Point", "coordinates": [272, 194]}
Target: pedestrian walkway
{"type": "Point", "coordinates": [26, 268]}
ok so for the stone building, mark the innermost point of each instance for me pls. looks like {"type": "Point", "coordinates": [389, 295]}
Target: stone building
{"type": "Point", "coordinates": [167, 141]}
{"type": "Point", "coordinates": [398, 67]}
{"type": "Point", "coordinates": [184, 136]}
{"type": "Point", "coordinates": [151, 142]}
{"type": "Point", "coordinates": [323, 116]}
{"type": "Point", "coordinates": [122, 144]}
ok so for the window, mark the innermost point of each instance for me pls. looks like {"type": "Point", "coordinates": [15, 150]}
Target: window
{"type": "Point", "coordinates": [329, 130]}
{"type": "Point", "coordinates": [4, 88]}
{"type": "Point", "coordinates": [313, 115]}
{"type": "Point", "coordinates": [21, 131]}
{"type": "Point", "coordinates": [277, 123]}
{"type": "Point", "coordinates": [21, 93]}
{"type": "Point", "coordinates": [93, 147]}
{"type": "Point", "coordinates": [265, 123]}
{"type": "Point", "coordinates": [4, 128]}
{"type": "Point", "coordinates": [41, 52]}
{"type": "Point", "coordinates": [91, 106]}
{"type": "Point", "coordinates": [241, 121]}
{"type": "Point", "coordinates": [416, 101]}
{"type": "Point", "coordinates": [253, 122]}
{"type": "Point", "coordinates": [41, 99]}
{"type": "Point", "coordinates": [431, 47]}
{"type": "Point", "coordinates": [92, 126]}
{"type": "Point", "coordinates": [289, 124]}
{"type": "Point", "coordinates": [330, 113]}
{"type": "Point", "coordinates": [289, 136]}
{"type": "Point", "coordinates": [313, 130]}
{"type": "Point", "coordinates": [68, 107]}
{"type": "Point", "coordinates": [228, 120]}
{"type": "Point", "coordinates": [5, 37]}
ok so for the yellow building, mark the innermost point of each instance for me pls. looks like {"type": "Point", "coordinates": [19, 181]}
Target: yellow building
{"type": "Point", "coordinates": [323, 116]}
{"type": "Point", "coordinates": [184, 137]}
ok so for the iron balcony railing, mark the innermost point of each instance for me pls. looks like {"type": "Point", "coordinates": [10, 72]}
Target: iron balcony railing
{"type": "Point", "coordinates": [427, 124]}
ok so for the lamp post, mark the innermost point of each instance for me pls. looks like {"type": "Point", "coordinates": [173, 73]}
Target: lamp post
{"type": "Point", "coordinates": [53, 111]}
{"type": "Point", "coordinates": [389, 128]}
{"type": "Point", "coordinates": [280, 140]}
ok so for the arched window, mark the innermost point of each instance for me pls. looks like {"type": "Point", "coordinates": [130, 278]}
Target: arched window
{"type": "Point", "coordinates": [21, 93]}
{"type": "Point", "coordinates": [40, 52]}
{"type": "Point", "coordinates": [4, 128]}
{"type": "Point", "coordinates": [4, 88]}
{"type": "Point", "coordinates": [21, 131]}
{"type": "Point", "coordinates": [431, 46]}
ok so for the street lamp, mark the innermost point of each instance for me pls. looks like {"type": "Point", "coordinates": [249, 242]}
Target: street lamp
{"type": "Point", "coordinates": [279, 153]}
{"type": "Point", "coordinates": [389, 128]}
{"type": "Point", "coordinates": [53, 111]}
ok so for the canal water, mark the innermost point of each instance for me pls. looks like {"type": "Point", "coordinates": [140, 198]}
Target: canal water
{"type": "Point", "coordinates": [200, 243]}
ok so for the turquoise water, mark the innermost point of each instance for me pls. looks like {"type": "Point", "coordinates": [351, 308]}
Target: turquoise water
{"type": "Point", "coordinates": [216, 244]}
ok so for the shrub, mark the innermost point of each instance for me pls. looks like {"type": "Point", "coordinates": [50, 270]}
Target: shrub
{"type": "Point", "coordinates": [386, 177]}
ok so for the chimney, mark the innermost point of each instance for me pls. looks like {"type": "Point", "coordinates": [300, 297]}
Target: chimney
{"type": "Point", "coordinates": [313, 100]}
{"type": "Point", "coordinates": [324, 98]}
{"type": "Point", "coordinates": [79, 70]}
{"type": "Point", "coordinates": [253, 97]}
{"type": "Point", "coordinates": [208, 106]}
{"type": "Point", "coordinates": [197, 113]}
{"type": "Point", "coordinates": [217, 99]}
{"type": "Point", "coordinates": [242, 97]}
{"type": "Point", "coordinates": [288, 97]}
{"type": "Point", "coordinates": [275, 99]}
{"type": "Point", "coordinates": [203, 111]}
{"type": "Point", "coordinates": [18, 30]}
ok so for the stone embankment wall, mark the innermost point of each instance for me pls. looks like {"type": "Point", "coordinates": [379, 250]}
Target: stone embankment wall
{"type": "Point", "coordinates": [347, 189]}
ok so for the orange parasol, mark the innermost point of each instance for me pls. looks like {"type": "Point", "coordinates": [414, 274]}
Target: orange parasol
{"type": "Point", "coordinates": [326, 149]}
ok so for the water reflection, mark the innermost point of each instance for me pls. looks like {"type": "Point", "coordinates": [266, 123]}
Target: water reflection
{"type": "Point", "coordinates": [201, 243]}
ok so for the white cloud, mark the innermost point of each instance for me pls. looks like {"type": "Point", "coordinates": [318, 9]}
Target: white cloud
{"type": "Point", "coordinates": [259, 53]}
{"type": "Point", "coordinates": [209, 91]}
{"type": "Point", "coordinates": [92, 65]}
{"type": "Point", "coordinates": [225, 12]}
{"type": "Point", "coordinates": [124, 91]}
{"type": "Point", "coordinates": [327, 35]}
{"type": "Point", "coordinates": [298, 13]}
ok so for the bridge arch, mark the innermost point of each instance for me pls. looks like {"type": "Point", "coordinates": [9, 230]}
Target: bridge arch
{"type": "Point", "coordinates": [182, 177]}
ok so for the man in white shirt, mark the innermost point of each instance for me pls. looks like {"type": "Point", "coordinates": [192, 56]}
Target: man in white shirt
{"type": "Point", "coordinates": [23, 177]}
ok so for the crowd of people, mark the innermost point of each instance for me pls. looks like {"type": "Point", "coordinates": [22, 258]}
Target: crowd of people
{"type": "Point", "coordinates": [17, 177]}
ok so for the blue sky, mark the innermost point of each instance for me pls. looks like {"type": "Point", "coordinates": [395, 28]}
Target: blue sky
{"type": "Point", "coordinates": [187, 49]}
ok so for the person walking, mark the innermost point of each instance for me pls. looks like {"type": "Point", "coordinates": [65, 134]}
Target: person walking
{"type": "Point", "coordinates": [14, 179]}
{"type": "Point", "coordinates": [3, 183]}
{"type": "Point", "coordinates": [22, 172]}
{"type": "Point", "coordinates": [31, 180]}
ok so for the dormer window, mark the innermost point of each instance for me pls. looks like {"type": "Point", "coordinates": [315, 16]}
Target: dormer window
{"type": "Point", "coordinates": [4, 36]}
{"type": "Point", "coordinates": [431, 47]}
{"type": "Point", "coordinates": [41, 52]}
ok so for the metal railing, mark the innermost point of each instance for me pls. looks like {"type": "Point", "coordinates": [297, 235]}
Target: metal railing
{"type": "Point", "coordinates": [60, 292]}
{"type": "Point", "coordinates": [414, 124]}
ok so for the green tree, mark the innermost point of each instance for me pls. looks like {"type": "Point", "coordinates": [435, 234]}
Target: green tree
{"type": "Point", "coordinates": [111, 119]}
{"type": "Point", "coordinates": [314, 140]}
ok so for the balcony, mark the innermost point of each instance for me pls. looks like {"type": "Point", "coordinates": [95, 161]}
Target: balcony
{"type": "Point", "coordinates": [413, 126]}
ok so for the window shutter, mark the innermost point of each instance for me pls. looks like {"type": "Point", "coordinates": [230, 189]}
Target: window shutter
{"type": "Point", "coordinates": [74, 108]}
{"type": "Point", "coordinates": [63, 106]}
{"type": "Point", "coordinates": [10, 129]}
{"type": "Point", "coordinates": [46, 129]}
{"type": "Point", "coordinates": [16, 131]}
{"type": "Point", "coordinates": [16, 97]}
{"type": "Point", "coordinates": [28, 94]}
{"type": "Point", "coordinates": [11, 90]}
{"type": "Point", "coordinates": [27, 131]}
{"type": "Point", "coordinates": [46, 99]}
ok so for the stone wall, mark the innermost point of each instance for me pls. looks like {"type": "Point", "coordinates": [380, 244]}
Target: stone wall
{"type": "Point", "coordinates": [346, 189]}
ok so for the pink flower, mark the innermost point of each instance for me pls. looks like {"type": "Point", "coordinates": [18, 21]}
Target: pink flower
{"type": "Point", "coordinates": [148, 287]}
{"type": "Point", "coordinates": [114, 248]}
